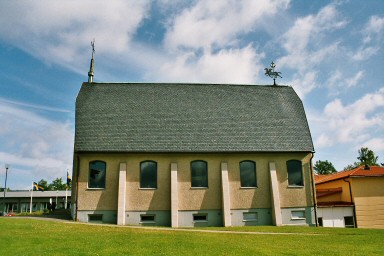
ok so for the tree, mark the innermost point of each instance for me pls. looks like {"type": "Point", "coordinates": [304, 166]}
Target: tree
{"type": "Point", "coordinates": [351, 166]}
{"type": "Point", "coordinates": [43, 183]}
{"type": "Point", "coordinates": [57, 184]}
{"type": "Point", "coordinates": [367, 157]}
{"type": "Point", "coordinates": [324, 167]}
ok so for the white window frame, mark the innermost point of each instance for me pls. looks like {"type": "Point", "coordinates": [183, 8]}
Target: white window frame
{"type": "Point", "coordinates": [249, 214]}
{"type": "Point", "coordinates": [300, 215]}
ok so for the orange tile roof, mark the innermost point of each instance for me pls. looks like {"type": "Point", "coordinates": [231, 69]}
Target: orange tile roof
{"type": "Point", "coordinates": [327, 191]}
{"type": "Point", "coordinates": [374, 171]}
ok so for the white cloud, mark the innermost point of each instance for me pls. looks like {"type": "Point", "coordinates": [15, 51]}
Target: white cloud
{"type": "Point", "coordinates": [34, 106]}
{"type": "Point", "coordinates": [335, 79]}
{"type": "Point", "coordinates": [340, 129]}
{"type": "Point", "coordinates": [203, 41]}
{"type": "Point", "coordinates": [338, 81]}
{"type": "Point", "coordinates": [323, 141]}
{"type": "Point", "coordinates": [356, 123]}
{"type": "Point", "coordinates": [211, 23]}
{"type": "Point", "coordinates": [375, 144]}
{"type": "Point", "coordinates": [42, 148]}
{"type": "Point", "coordinates": [353, 81]}
{"type": "Point", "coordinates": [61, 31]}
{"type": "Point", "coordinates": [310, 29]}
{"type": "Point", "coordinates": [373, 28]}
{"type": "Point", "coordinates": [306, 46]}
{"type": "Point", "coordinates": [372, 39]}
{"type": "Point", "coordinates": [304, 82]}
{"type": "Point", "coordinates": [225, 66]}
{"type": "Point", "coordinates": [364, 53]}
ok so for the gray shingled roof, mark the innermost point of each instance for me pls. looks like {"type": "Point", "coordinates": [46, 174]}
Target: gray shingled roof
{"type": "Point", "coordinates": [135, 117]}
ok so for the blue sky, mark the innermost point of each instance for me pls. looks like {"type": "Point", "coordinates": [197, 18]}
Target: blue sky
{"type": "Point", "coordinates": [330, 52]}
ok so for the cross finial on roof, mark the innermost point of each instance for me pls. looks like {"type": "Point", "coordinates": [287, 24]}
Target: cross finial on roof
{"type": "Point", "coordinates": [91, 73]}
{"type": "Point", "coordinates": [93, 47]}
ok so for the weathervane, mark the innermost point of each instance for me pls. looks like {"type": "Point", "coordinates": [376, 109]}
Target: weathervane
{"type": "Point", "coordinates": [272, 73]}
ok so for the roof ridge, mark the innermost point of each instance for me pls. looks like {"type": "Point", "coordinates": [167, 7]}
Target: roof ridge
{"type": "Point", "coordinates": [360, 167]}
{"type": "Point", "coordinates": [185, 83]}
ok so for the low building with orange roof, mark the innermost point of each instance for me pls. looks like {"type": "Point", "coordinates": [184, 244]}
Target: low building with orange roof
{"type": "Point", "coordinates": [353, 198]}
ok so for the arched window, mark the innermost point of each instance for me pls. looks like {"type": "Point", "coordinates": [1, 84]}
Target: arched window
{"type": "Point", "coordinates": [295, 173]}
{"type": "Point", "coordinates": [248, 177]}
{"type": "Point", "coordinates": [148, 174]}
{"type": "Point", "coordinates": [199, 174]}
{"type": "Point", "coordinates": [97, 173]}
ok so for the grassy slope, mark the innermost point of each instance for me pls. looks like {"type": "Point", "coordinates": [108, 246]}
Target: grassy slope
{"type": "Point", "coordinates": [19, 236]}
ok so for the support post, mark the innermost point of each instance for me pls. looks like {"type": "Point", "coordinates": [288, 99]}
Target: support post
{"type": "Point", "coordinates": [121, 201]}
{"type": "Point", "coordinates": [276, 208]}
{"type": "Point", "coordinates": [30, 204]}
{"type": "Point", "coordinates": [174, 197]}
{"type": "Point", "coordinates": [226, 195]}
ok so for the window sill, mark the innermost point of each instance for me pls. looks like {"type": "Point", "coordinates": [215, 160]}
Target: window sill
{"type": "Point", "coordinates": [147, 188]}
{"type": "Point", "coordinates": [249, 220]}
{"type": "Point", "coordinates": [248, 187]}
{"type": "Point", "coordinates": [295, 186]}
{"type": "Point", "coordinates": [193, 188]}
{"type": "Point", "coordinates": [96, 189]}
{"type": "Point", "coordinates": [298, 219]}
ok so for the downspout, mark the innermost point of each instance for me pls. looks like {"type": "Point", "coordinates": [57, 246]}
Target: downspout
{"type": "Point", "coordinates": [352, 201]}
{"type": "Point", "coordinates": [313, 190]}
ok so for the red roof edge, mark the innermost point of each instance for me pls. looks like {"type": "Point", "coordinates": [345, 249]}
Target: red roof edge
{"type": "Point", "coordinates": [361, 171]}
{"type": "Point", "coordinates": [336, 203]}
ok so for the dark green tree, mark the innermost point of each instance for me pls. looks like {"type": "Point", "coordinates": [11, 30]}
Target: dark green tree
{"type": "Point", "coordinates": [367, 157]}
{"type": "Point", "coordinates": [57, 184]}
{"type": "Point", "coordinates": [351, 166]}
{"type": "Point", "coordinates": [43, 183]}
{"type": "Point", "coordinates": [324, 167]}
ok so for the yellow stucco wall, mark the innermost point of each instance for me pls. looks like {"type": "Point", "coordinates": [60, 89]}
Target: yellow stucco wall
{"type": "Point", "coordinates": [294, 196]}
{"type": "Point", "coordinates": [344, 196]}
{"type": "Point", "coordinates": [101, 199]}
{"type": "Point", "coordinates": [192, 198]}
{"type": "Point", "coordinates": [368, 194]}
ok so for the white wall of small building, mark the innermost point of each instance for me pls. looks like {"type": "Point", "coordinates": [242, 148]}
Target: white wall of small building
{"type": "Point", "coordinates": [334, 216]}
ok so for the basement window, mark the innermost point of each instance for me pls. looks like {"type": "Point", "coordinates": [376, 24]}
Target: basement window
{"type": "Point", "coordinates": [147, 218]}
{"type": "Point", "coordinates": [95, 218]}
{"type": "Point", "coordinates": [249, 216]}
{"type": "Point", "coordinates": [200, 217]}
{"type": "Point", "coordinates": [348, 222]}
{"type": "Point", "coordinates": [298, 215]}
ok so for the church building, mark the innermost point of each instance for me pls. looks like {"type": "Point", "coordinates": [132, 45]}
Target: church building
{"type": "Point", "coordinates": [185, 155]}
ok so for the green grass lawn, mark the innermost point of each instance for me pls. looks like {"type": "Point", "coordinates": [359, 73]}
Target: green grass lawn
{"type": "Point", "coordinates": [24, 236]}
